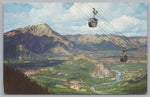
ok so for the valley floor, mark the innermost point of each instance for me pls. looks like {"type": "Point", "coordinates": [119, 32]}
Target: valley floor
{"type": "Point", "coordinates": [74, 74]}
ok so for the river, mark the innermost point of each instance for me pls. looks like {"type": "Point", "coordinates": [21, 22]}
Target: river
{"type": "Point", "coordinates": [118, 79]}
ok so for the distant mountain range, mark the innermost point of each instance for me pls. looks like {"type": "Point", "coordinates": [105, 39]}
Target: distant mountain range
{"type": "Point", "coordinates": [39, 39]}
{"type": "Point", "coordinates": [106, 42]}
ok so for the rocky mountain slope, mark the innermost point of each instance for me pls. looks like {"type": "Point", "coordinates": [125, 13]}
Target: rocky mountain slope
{"type": "Point", "coordinates": [105, 42]}
{"type": "Point", "coordinates": [40, 39]}
{"type": "Point", "coordinates": [37, 39]}
{"type": "Point", "coordinates": [101, 71]}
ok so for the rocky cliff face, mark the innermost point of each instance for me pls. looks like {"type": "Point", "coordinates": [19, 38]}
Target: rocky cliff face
{"type": "Point", "coordinates": [101, 71]}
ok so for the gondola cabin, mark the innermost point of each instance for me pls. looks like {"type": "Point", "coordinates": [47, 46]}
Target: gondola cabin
{"type": "Point", "coordinates": [93, 22]}
{"type": "Point", "coordinates": [124, 58]}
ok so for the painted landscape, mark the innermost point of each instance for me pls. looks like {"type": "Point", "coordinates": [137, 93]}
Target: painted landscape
{"type": "Point", "coordinates": [38, 59]}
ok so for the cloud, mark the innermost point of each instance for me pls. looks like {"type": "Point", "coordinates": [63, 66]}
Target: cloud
{"type": "Point", "coordinates": [67, 18]}
{"type": "Point", "coordinates": [128, 24]}
{"type": "Point", "coordinates": [115, 10]}
{"type": "Point", "coordinates": [125, 22]}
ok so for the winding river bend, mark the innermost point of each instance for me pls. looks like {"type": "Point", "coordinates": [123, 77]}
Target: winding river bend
{"type": "Point", "coordinates": [118, 79]}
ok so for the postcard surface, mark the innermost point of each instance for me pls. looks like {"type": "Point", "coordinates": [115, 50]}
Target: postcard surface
{"type": "Point", "coordinates": [75, 48]}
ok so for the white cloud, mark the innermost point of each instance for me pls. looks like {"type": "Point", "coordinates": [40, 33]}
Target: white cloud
{"type": "Point", "coordinates": [125, 22]}
{"type": "Point", "coordinates": [127, 17]}
{"type": "Point", "coordinates": [128, 24]}
{"type": "Point", "coordinates": [47, 12]}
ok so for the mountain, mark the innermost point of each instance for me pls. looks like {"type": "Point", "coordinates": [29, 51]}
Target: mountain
{"type": "Point", "coordinates": [93, 42]}
{"type": "Point", "coordinates": [35, 39]}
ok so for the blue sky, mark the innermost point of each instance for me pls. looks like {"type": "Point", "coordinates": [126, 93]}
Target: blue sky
{"type": "Point", "coordinates": [72, 18]}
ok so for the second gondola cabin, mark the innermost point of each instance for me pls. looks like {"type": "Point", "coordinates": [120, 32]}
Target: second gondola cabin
{"type": "Point", "coordinates": [123, 57]}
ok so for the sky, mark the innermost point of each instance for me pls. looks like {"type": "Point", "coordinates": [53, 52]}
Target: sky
{"type": "Point", "coordinates": [128, 19]}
